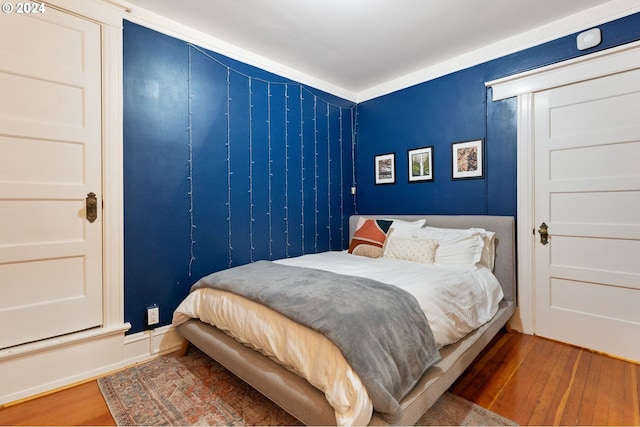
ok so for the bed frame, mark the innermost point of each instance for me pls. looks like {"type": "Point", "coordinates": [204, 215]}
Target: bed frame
{"type": "Point", "coordinates": [308, 404]}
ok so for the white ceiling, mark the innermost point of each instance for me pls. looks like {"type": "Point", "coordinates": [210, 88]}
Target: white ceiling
{"type": "Point", "coordinates": [357, 45]}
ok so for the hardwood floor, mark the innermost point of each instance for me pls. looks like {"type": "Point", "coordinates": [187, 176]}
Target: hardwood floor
{"type": "Point", "coordinates": [530, 380]}
{"type": "Point", "coordinates": [535, 381]}
{"type": "Point", "coordinates": [82, 405]}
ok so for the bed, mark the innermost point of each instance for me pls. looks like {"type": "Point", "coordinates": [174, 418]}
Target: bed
{"type": "Point", "coordinates": [287, 387]}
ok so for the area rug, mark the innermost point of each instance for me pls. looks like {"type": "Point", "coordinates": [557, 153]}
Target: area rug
{"type": "Point", "coordinates": [196, 390]}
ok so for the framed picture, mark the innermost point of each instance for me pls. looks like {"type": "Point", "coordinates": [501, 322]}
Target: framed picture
{"type": "Point", "coordinates": [467, 159]}
{"type": "Point", "coordinates": [421, 164]}
{"type": "Point", "coordinates": [385, 168]}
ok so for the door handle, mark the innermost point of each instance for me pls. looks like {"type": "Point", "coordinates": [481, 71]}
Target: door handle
{"type": "Point", "coordinates": [91, 203]}
{"type": "Point", "coordinates": [544, 233]}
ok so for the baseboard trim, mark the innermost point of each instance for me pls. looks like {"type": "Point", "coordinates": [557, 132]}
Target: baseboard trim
{"type": "Point", "coordinates": [36, 369]}
{"type": "Point", "coordinates": [143, 346]}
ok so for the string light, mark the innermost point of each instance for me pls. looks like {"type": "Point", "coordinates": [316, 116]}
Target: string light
{"type": "Point", "coordinates": [315, 174]}
{"type": "Point", "coordinates": [229, 172]}
{"type": "Point", "coordinates": [302, 166]}
{"type": "Point", "coordinates": [190, 165]}
{"type": "Point", "coordinates": [329, 177]}
{"type": "Point", "coordinates": [286, 169]}
{"type": "Point", "coordinates": [287, 85]}
{"type": "Point", "coordinates": [251, 218]}
{"type": "Point", "coordinates": [341, 180]}
{"type": "Point", "coordinates": [270, 161]}
{"type": "Point", "coordinates": [354, 132]}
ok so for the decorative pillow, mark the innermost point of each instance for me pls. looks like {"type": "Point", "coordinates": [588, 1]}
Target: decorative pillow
{"type": "Point", "coordinates": [405, 229]}
{"type": "Point", "coordinates": [369, 237]}
{"type": "Point", "coordinates": [489, 245]}
{"type": "Point", "coordinates": [455, 247]}
{"type": "Point", "coordinates": [417, 250]}
{"type": "Point", "coordinates": [489, 249]}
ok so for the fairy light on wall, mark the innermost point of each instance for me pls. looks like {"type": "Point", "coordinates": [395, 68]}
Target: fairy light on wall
{"type": "Point", "coordinates": [192, 226]}
{"type": "Point", "coordinates": [258, 206]}
{"type": "Point", "coordinates": [229, 172]}
{"type": "Point", "coordinates": [251, 217]}
{"type": "Point", "coordinates": [340, 145]}
{"type": "Point", "coordinates": [354, 132]}
{"type": "Point", "coordinates": [286, 169]}
{"type": "Point", "coordinates": [329, 176]}
{"type": "Point", "coordinates": [270, 173]}
{"type": "Point", "coordinates": [315, 173]}
{"type": "Point", "coordinates": [302, 167]}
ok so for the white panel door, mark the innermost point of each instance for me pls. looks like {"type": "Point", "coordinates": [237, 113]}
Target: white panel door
{"type": "Point", "coordinates": [587, 190]}
{"type": "Point", "coordinates": [50, 159]}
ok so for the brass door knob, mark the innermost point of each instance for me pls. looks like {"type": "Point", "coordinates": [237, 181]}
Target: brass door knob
{"type": "Point", "coordinates": [91, 203]}
{"type": "Point", "coordinates": [544, 233]}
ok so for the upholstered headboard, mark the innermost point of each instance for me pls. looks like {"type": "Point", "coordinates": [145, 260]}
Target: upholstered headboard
{"type": "Point", "coordinates": [503, 226]}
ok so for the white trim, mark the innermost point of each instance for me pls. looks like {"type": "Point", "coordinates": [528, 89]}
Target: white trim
{"type": "Point", "coordinates": [586, 19]}
{"type": "Point", "coordinates": [101, 11]}
{"type": "Point", "coordinates": [59, 362]}
{"type": "Point", "coordinates": [62, 341]}
{"type": "Point", "coordinates": [525, 209]}
{"type": "Point", "coordinates": [175, 29]}
{"type": "Point", "coordinates": [146, 345]}
{"type": "Point", "coordinates": [614, 60]}
{"type": "Point", "coordinates": [524, 86]}
{"type": "Point", "coordinates": [112, 176]}
{"type": "Point", "coordinates": [40, 367]}
{"type": "Point", "coordinates": [563, 27]}
{"type": "Point", "coordinates": [46, 365]}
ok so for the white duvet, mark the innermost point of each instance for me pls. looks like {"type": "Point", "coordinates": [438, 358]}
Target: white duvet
{"type": "Point", "coordinates": [455, 301]}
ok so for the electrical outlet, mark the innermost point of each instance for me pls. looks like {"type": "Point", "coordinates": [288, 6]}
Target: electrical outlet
{"type": "Point", "coordinates": [153, 315]}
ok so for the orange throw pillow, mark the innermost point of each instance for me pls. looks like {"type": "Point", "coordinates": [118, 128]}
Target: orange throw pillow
{"type": "Point", "coordinates": [368, 239]}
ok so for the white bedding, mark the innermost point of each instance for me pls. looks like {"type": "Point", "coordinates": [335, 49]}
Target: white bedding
{"type": "Point", "coordinates": [455, 300]}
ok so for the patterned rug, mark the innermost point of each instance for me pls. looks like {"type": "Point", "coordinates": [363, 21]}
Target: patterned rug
{"type": "Point", "coordinates": [196, 390]}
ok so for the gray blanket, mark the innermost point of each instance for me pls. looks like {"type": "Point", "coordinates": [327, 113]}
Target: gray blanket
{"type": "Point", "coordinates": [380, 329]}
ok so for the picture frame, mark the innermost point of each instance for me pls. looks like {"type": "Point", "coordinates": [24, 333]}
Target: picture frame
{"type": "Point", "coordinates": [420, 164]}
{"type": "Point", "coordinates": [385, 168]}
{"type": "Point", "coordinates": [467, 159]}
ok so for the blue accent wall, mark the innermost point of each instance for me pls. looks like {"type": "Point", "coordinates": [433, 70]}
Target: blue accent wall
{"type": "Point", "coordinates": [224, 164]}
{"type": "Point", "coordinates": [453, 108]}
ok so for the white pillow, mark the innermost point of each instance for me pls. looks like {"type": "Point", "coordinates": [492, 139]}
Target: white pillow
{"type": "Point", "coordinates": [417, 250]}
{"type": "Point", "coordinates": [455, 247]}
{"type": "Point", "coordinates": [489, 249]}
{"type": "Point", "coordinates": [405, 229]}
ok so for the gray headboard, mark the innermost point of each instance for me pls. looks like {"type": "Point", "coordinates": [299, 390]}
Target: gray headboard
{"type": "Point", "coordinates": [503, 226]}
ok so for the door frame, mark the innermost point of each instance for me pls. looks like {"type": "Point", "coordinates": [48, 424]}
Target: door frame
{"type": "Point", "coordinates": [523, 86]}
{"type": "Point", "coordinates": [39, 367]}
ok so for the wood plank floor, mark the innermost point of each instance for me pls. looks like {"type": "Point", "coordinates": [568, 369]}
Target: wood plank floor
{"type": "Point", "coordinates": [82, 405]}
{"type": "Point", "coordinates": [530, 380]}
{"type": "Point", "coordinates": [535, 381]}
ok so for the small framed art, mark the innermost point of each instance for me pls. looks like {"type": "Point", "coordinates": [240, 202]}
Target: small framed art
{"type": "Point", "coordinates": [385, 168]}
{"type": "Point", "coordinates": [421, 164]}
{"type": "Point", "coordinates": [467, 159]}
